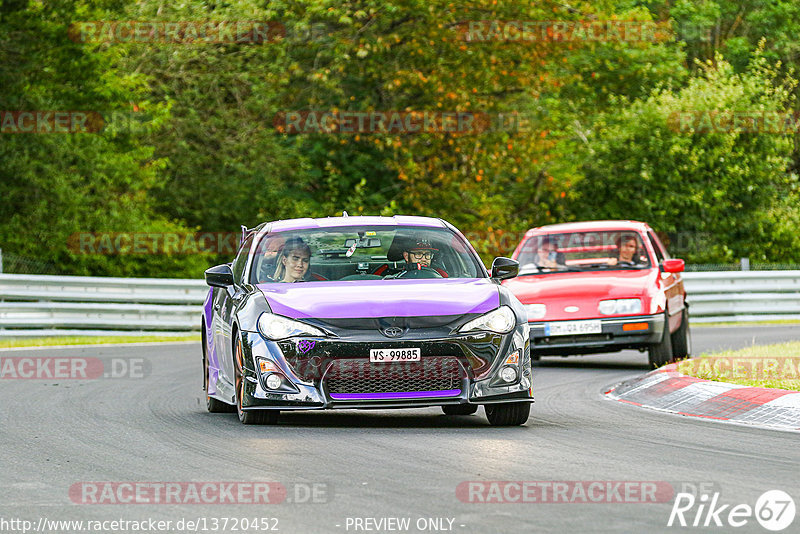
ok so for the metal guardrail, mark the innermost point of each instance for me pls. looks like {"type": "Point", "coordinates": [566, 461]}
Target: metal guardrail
{"type": "Point", "coordinates": [743, 296]}
{"type": "Point", "coordinates": [73, 305]}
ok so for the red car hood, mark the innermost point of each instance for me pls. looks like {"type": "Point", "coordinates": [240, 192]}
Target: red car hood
{"type": "Point", "coordinates": [584, 290]}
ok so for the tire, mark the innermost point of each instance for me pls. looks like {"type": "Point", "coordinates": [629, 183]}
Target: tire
{"type": "Point", "coordinates": [661, 353]}
{"type": "Point", "coordinates": [508, 413]}
{"type": "Point", "coordinates": [256, 417]}
{"type": "Point", "coordinates": [259, 417]}
{"type": "Point", "coordinates": [212, 405]}
{"type": "Point", "coordinates": [460, 409]}
{"type": "Point", "coordinates": [682, 338]}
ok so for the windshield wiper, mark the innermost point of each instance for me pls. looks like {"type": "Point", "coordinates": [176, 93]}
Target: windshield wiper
{"type": "Point", "coordinates": [549, 270]}
{"type": "Point", "coordinates": [591, 266]}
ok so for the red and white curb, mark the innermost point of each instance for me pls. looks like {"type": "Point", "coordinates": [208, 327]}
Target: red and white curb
{"type": "Point", "coordinates": [667, 390]}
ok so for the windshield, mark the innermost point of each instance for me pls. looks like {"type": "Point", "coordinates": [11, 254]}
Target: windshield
{"type": "Point", "coordinates": [583, 251]}
{"type": "Point", "coordinates": [363, 253]}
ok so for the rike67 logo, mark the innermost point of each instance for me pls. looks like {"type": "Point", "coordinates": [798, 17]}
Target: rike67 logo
{"type": "Point", "coordinates": [774, 510]}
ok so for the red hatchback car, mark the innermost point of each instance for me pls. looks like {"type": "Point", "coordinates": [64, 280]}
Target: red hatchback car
{"type": "Point", "coordinates": [601, 286]}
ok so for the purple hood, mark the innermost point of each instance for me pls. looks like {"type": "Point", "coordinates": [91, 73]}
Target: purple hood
{"type": "Point", "coordinates": [382, 298]}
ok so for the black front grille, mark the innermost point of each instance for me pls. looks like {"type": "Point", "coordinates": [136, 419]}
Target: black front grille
{"type": "Point", "coordinates": [350, 376]}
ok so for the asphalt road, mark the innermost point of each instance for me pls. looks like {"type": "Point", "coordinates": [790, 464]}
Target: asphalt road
{"type": "Point", "coordinates": [57, 433]}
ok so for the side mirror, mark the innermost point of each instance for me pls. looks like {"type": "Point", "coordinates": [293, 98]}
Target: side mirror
{"type": "Point", "coordinates": [504, 268]}
{"type": "Point", "coordinates": [673, 266]}
{"type": "Point", "coordinates": [219, 276]}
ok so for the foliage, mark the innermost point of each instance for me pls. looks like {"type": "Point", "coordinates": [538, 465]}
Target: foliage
{"type": "Point", "coordinates": [54, 185]}
{"type": "Point", "coordinates": [686, 179]}
{"type": "Point", "coordinates": [735, 29]}
{"type": "Point", "coordinates": [591, 136]}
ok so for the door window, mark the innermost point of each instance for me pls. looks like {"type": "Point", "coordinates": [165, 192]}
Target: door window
{"type": "Point", "coordinates": [241, 260]}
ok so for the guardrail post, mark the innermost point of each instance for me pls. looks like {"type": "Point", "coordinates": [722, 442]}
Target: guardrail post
{"type": "Point", "coordinates": [745, 262]}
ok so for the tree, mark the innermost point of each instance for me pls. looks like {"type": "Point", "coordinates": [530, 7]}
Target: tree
{"type": "Point", "coordinates": [694, 177]}
{"type": "Point", "coordinates": [55, 185]}
{"type": "Point", "coordinates": [414, 57]}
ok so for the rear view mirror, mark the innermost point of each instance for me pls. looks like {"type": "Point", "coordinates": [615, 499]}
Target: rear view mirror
{"type": "Point", "coordinates": [364, 242]}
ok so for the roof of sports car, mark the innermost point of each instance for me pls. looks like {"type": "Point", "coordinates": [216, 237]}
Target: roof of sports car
{"type": "Point", "coordinates": [333, 222]}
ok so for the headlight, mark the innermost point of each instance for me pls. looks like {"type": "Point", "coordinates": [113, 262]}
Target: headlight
{"type": "Point", "coordinates": [535, 311]}
{"type": "Point", "coordinates": [620, 306]}
{"type": "Point", "coordinates": [276, 327]}
{"type": "Point", "coordinates": [501, 320]}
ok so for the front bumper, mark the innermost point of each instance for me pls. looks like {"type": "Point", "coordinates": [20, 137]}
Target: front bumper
{"type": "Point", "coordinates": [617, 333]}
{"type": "Point", "coordinates": [336, 374]}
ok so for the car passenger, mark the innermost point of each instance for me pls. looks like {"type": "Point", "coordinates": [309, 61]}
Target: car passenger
{"type": "Point", "coordinates": [547, 255]}
{"type": "Point", "coordinates": [269, 258]}
{"type": "Point", "coordinates": [293, 262]}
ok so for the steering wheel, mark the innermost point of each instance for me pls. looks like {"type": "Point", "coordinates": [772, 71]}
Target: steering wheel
{"type": "Point", "coordinates": [422, 272]}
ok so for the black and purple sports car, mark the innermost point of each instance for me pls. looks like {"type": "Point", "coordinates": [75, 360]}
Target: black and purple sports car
{"type": "Point", "coordinates": [364, 312]}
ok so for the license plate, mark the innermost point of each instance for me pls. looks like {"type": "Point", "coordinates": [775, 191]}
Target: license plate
{"type": "Point", "coordinates": [394, 355]}
{"type": "Point", "coordinates": [572, 328]}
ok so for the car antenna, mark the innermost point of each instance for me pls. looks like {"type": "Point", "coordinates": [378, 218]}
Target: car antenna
{"type": "Point", "coordinates": [344, 214]}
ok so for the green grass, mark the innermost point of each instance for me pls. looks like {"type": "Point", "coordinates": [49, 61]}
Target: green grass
{"type": "Point", "coordinates": [765, 366]}
{"type": "Point", "coordinates": [48, 341]}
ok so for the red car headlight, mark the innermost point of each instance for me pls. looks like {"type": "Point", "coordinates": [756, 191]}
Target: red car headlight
{"type": "Point", "coordinates": [620, 307]}
{"type": "Point", "coordinates": [535, 311]}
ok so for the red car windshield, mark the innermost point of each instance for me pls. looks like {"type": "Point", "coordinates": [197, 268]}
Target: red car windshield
{"type": "Point", "coordinates": [583, 251]}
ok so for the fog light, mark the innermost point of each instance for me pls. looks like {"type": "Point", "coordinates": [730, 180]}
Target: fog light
{"type": "Point", "coordinates": [508, 374]}
{"type": "Point", "coordinates": [274, 381]}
